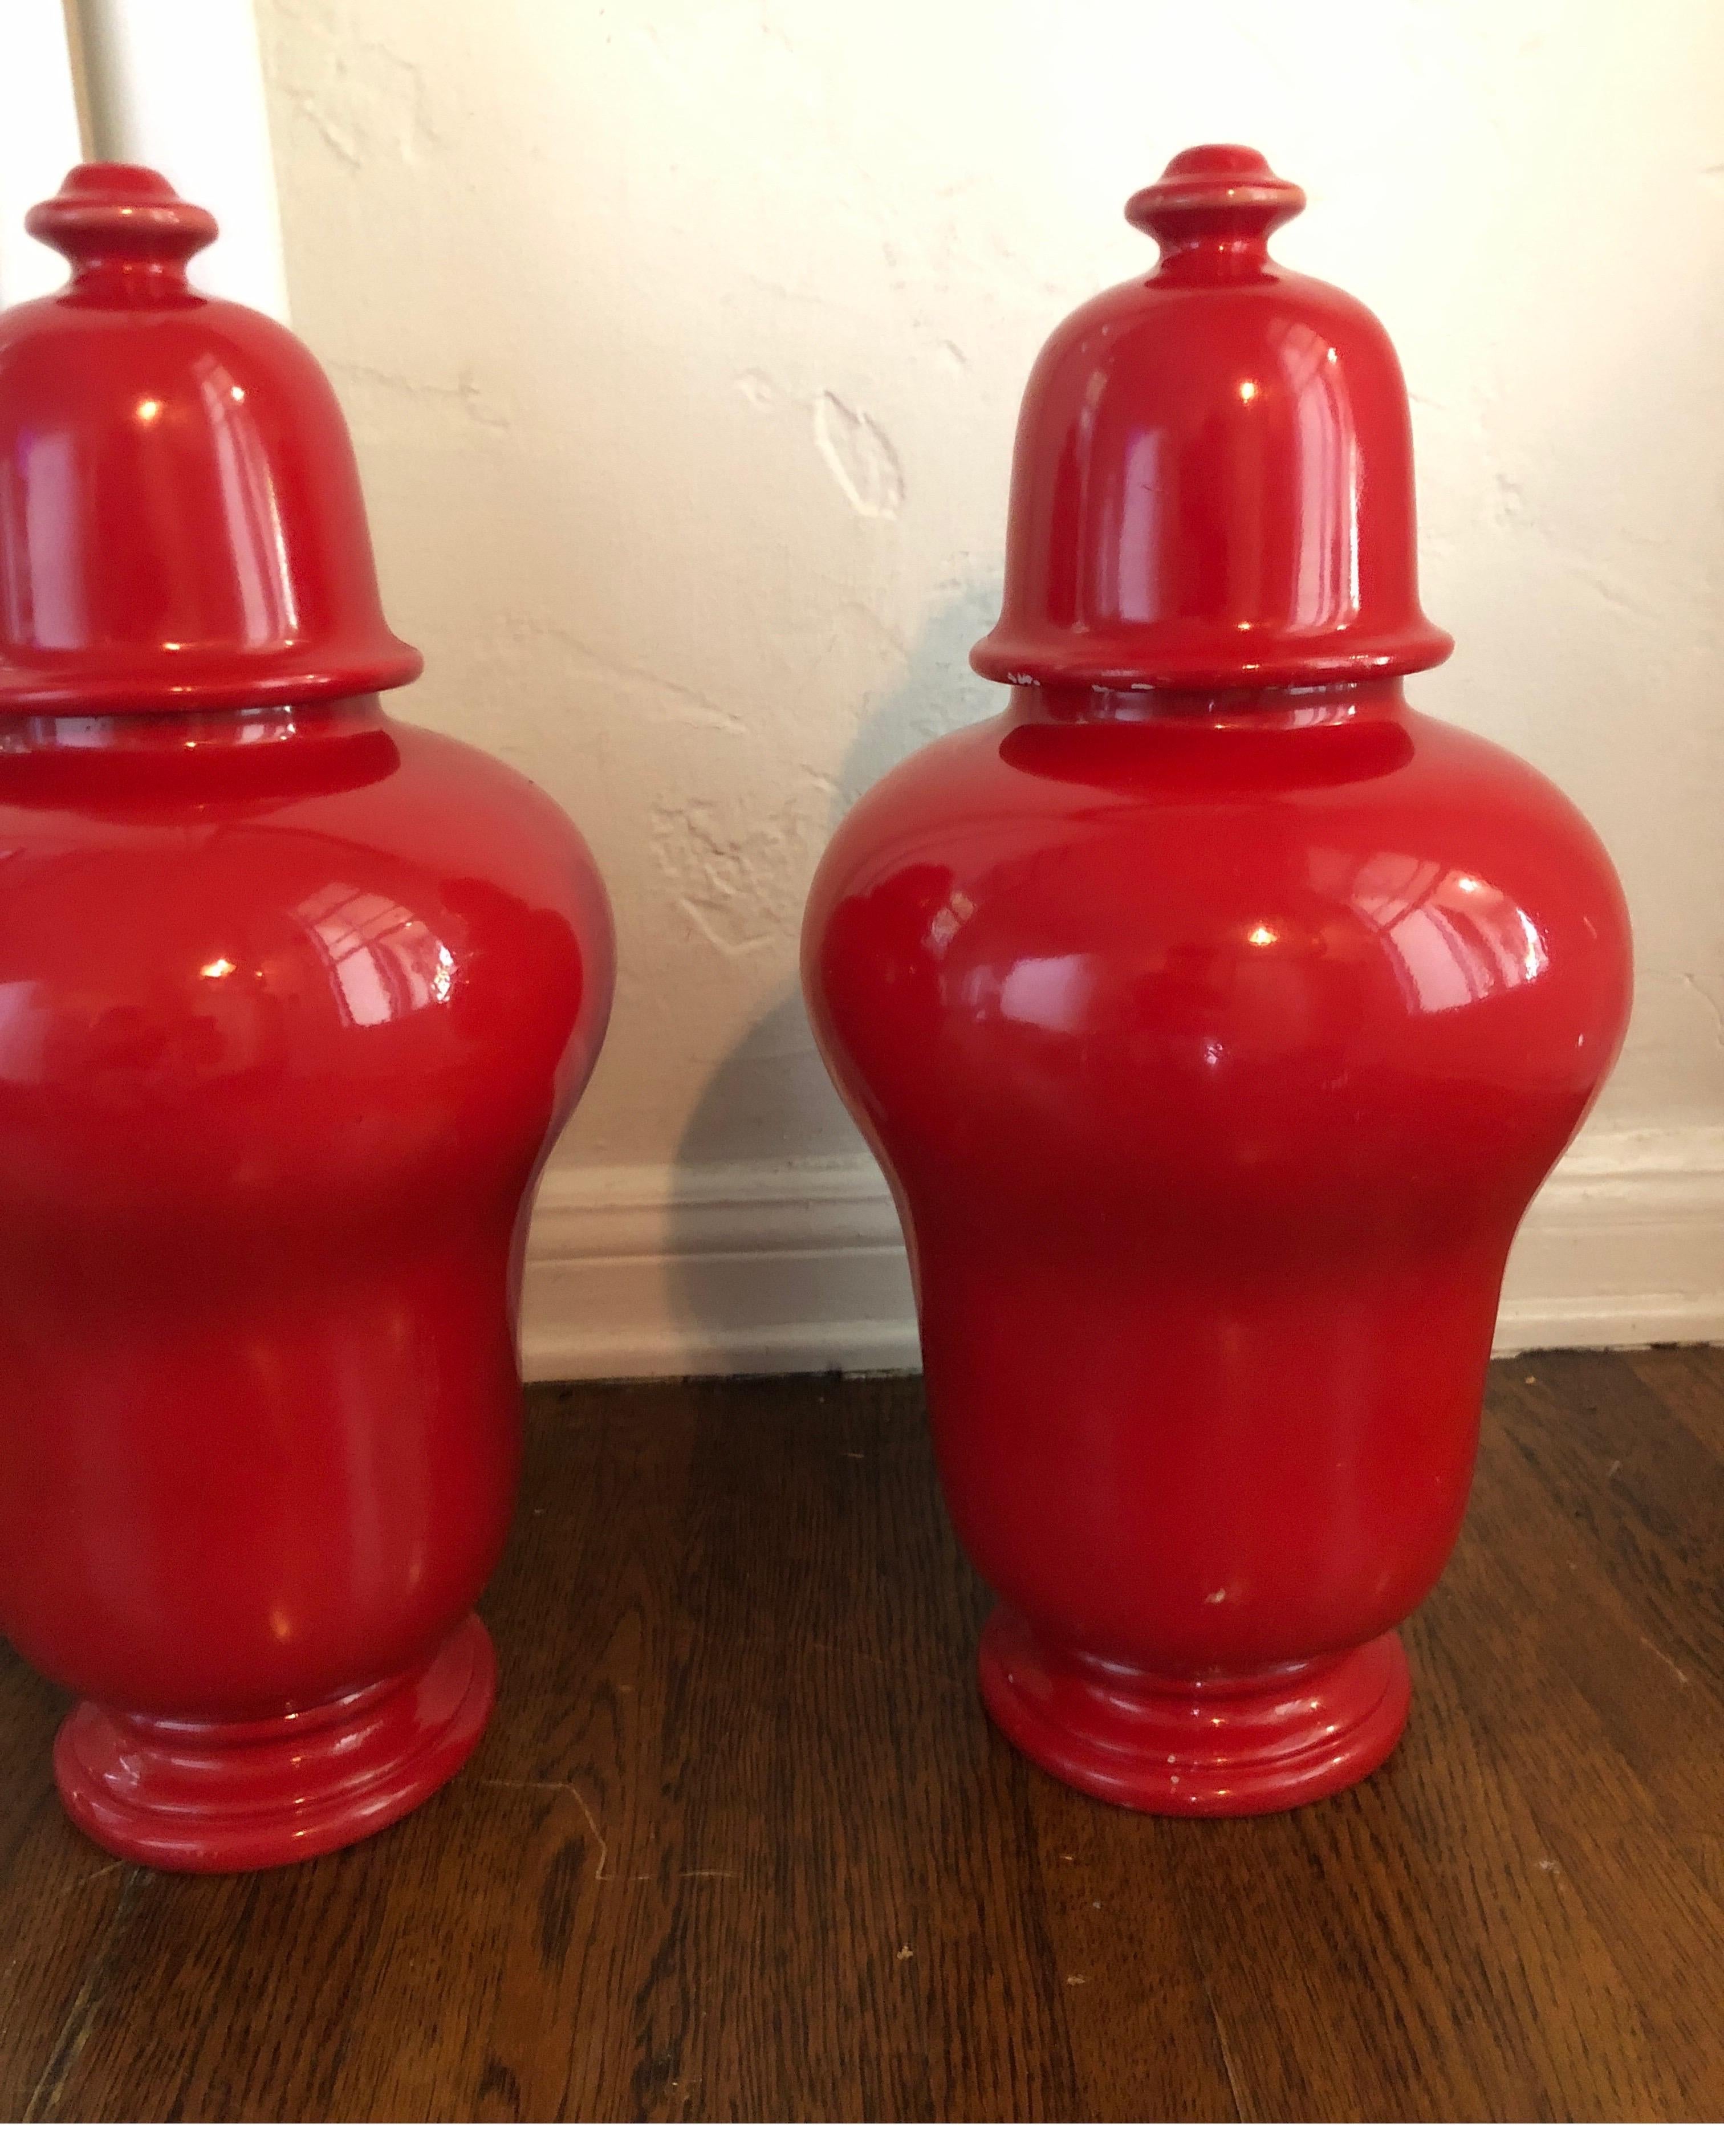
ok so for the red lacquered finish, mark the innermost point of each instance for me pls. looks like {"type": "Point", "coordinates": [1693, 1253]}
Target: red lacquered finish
{"type": "Point", "coordinates": [1215, 1016]}
{"type": "Point", "coordinates": [294, 1000]}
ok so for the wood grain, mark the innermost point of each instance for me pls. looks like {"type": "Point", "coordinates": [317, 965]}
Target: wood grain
{"type": "Point", "coordinates": [740, 1844]}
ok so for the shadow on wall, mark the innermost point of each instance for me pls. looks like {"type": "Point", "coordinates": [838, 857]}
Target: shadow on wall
{"type": "Point", "coordinates": [770, 1105]}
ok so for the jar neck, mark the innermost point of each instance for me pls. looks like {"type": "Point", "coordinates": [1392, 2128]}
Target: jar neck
{"type": "Point", "coordinates": [1335, 704]}
{"type": "Point", "coordinates": [171, 731]}
{"type": "Point", "coordinates": [193, 767]}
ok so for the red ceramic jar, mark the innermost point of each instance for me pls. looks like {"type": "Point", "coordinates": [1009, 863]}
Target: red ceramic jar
{"type": "Point", "coordinates": [293, 1001]}
{"type": "Point", "coordinates": [1215, 1015]}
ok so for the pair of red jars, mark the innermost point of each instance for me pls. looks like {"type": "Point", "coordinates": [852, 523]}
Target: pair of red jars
{"type": "Point", "coordinates": [1214, 1016]}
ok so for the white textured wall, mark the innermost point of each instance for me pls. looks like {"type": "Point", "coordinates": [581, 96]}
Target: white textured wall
{"type": "Point", "coordinates": [683, 343]}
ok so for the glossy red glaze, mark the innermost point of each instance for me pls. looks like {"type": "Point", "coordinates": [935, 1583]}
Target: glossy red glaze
{"type": "Point", "coordinates": [213, 1795]}
{"type": "Point", "coordinates": [181, 523]}
{"type": "Point", "coordinates": [294, 1000]}
{"type": "Point", "coordinates": [1214, 478]}
{"type": "Point", "coordinates": [1214, 1042]}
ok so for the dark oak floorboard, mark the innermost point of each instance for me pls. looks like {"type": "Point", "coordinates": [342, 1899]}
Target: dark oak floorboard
{"type": "Point", "coordinates": [740, 1844]}
{"type": "Point", "coordinates": [59, 1894]}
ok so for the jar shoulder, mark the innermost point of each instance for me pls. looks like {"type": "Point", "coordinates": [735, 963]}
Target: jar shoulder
{"type": "Point", "coordinates": [401, 904]}
{"type": "Point", "coordinates": [144, 848]}
{"type": "Point", "coordinates": [1112, 916]}
{"type": "Point", "coordinates": [1131, 827]}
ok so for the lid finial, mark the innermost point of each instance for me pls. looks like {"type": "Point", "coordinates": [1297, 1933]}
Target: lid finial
{"type": "Point", "coordinates": [1219, 191]}
{"type": "Point", "coordinates": [120, 215]}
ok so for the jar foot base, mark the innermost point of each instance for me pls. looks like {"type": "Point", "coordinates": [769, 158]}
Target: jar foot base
{"type": "Point", "coordinates": [1209, 1747]}
{"type": "Point", "coordinates": [230, 1796]}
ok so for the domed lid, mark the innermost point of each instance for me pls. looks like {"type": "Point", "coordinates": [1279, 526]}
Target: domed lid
{"type": "Point", "coordinates": [181, 523]}
{"type": "Point", "coordinates": [1213, 483]}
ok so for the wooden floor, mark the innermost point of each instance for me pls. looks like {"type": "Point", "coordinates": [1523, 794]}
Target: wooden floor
{"type": "Point", "coordinates": [740, 1844]}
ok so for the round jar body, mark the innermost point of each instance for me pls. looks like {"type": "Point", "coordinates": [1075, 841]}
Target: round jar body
{"type": "Point", "coordinates": [292, 1005]}
{"type": "Point", "coordinates": [1214, 1061]}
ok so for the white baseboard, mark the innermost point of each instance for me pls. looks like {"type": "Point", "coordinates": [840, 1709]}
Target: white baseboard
{"type": "Point", "coordinates": [1623, 1246]}
{"type": "Point", "coordinates": [674, 1272]}
{"type": "Point", "coordinates": [799, 1265]}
